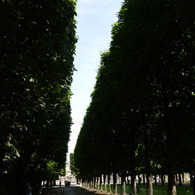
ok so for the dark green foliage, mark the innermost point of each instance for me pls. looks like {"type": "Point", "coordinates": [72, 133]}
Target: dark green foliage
{"type": "Point", "coordinates": [37, 44]}
{"type": "Point", "coordinates": [142, 111]}
{"type": "Point", "coordinates": [74, 169]}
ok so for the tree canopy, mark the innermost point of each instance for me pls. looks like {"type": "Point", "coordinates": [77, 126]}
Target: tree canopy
{"type": "Point", "coordinates": [142, 111]}
{"type": "Point", "coordinates": [37, 46]}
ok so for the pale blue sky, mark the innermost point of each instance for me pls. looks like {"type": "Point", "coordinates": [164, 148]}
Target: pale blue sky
{"type": "Point", "coordinates": [94, 24]}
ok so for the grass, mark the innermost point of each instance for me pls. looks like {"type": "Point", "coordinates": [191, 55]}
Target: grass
{"type": "Point", "coordinates": [162, 190]}
{"type": "Point", "coordinates": [157, 190]}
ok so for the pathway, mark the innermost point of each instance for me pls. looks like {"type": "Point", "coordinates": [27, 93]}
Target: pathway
{"type": "Point", "coordinates": [75, 190]}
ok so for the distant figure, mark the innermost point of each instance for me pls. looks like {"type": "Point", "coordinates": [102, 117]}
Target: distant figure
{"type": "Point", "coordinates": [60, 183]}
{"type": "Point", "coordinates": [66, 184]}
{"type": "Point", "coordinates": [28, 189]}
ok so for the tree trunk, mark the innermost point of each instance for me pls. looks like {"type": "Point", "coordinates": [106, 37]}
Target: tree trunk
{"type": "Point", "coordinates": [144, 179]}
{"type": "Point", "coordinates": [88, 184]}
{"type": "Point", "coordinates": [162, 180]}
{"type": "Point", "coordinates": [149, 187]}
{"type": "Point", "coordinates": [114, 183]}
{"type": "Point", "coordinates": [155, 181]}
{"type": "Point", "coordinates": [180, 182]}
{"type": "Point", "coordinates": [104, 178]}
{"type": "Point", "coordinates": [108, 188]}
{"type": "Point", "coordinates": [139, 179]}
{"type": "Point", "coordinates": [97, 183]}
{"type": "Point", "coordinates": [133, 182]}
{"type": "Point", "coordinates": [135, 186]}
{"type": "Point", "coordinates": [91, 183]}
{"type": "Point", "coordinates": [108, 179]}
{"type": "Point", "coordinates": [94, 182]}
{"type": "Point", "coordinates": [183, 178]}
{"type": "Point", "coordinates": [100, 182]}
{"type": "Point", "coordinates": [171, 181]}
{"type": "Point", "coordinates": [47, 183]}
{"type": "Point", "coordinates": [123, 184]}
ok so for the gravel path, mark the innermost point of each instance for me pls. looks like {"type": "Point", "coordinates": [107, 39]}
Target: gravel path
{"type": "Point", "coordinates": [70, 191]}
{"type": "Point", "coordinates": [52, 191]}
{"type": "Point", "coordinates": [83, 191]}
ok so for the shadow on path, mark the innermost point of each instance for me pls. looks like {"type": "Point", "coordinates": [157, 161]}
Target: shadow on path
{"type": "Point", "coordinates": [82, 191]}
{"type": "Point", "coordinates": [76, 190]}
{"type": "Point", "coordinates": [52, 191]}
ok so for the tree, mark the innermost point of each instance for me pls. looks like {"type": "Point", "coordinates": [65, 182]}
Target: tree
{"type": "Point", "coordinates": [37, 48]}
{"type": "Point", "coordinates": [74, 170]}
{"type": "Point", "coordinates": [143, 100]}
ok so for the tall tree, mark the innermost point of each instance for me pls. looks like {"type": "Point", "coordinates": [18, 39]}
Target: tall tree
{"type": "Point", "coordinates": [143, 101]}
{"type": "Point", "coordinates": [37, 45]}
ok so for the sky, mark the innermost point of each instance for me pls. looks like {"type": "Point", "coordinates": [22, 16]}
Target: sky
{"type": "Point", "coordinates": [94, 23]}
